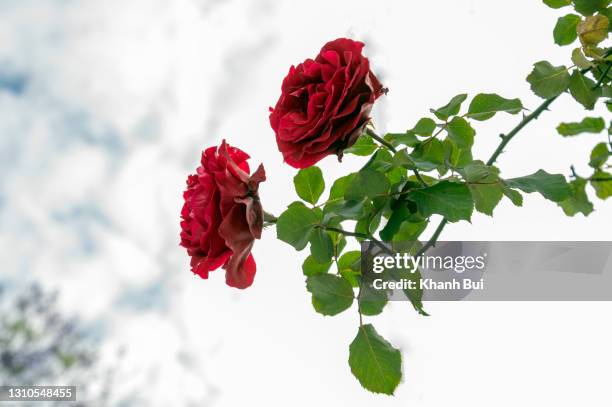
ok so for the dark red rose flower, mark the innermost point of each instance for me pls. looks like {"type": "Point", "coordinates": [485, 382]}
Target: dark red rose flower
{"type": "Point", "coordinates": [222, 215]}
{"type": "Point", "coordinates": [324, 104]}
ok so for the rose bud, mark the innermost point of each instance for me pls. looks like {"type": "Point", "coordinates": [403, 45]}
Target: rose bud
{"type": "Point", "coordinates": [325, 104]}
{"type": "Point", "coordinates": [222, 215]}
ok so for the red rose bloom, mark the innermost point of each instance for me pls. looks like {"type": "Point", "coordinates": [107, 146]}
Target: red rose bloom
{"type": "Point", "coordinates": [324, 104]}
{"type": "Point", "coordinates": [222, 215]}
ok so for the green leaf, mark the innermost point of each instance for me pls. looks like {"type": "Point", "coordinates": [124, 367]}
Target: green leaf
{"type": "Point", "coordinates": [400, 214]}
{"type": "Point", "coordinates": [461, 133]}
{"type": "Point", "coordinates": [427, 156]}
{"type": "Point", "coordinates": [321, 247]}
{"type": "Point", "coordinates": [339, 186]}
{"type": "Point", "coordinates": [414, 295]}
{"type": "Point", "coordinates": [310, 267]}
{"type": "Point", "coordinates": [601, 182]}
{"type": "Point", "coordinates": [594, 52]}
{"type": "Point", "coordinates": [374, 361]}
{"type": "Point", "coordinates": [513, 195]}
{"type": "Point", "coordinates": [565, 29]}
{"type": "Point", "coordinates": [477, 171]}
{"type": "Point", "coordinates": [368, 223]}
{"type": "Point", "coordinates": [593, 30]}
{"type": "Point", "coordinates": [557, 3]}
{"type": "Point", "coordinates": [349, 267]}
{"type": "Point", "coordinates": [367, 183]}
{"type": "Point", "coordinates": [580, 60]}
{"type": "Point", "coordinates": [372, 301]}
{"type": "Point", "coordinates": [409, 231]}
{"type": "Point", "coordinates": [350, 261]}
{"type": "Point", "coordinates": [587, 125]}
{"type": "Point", "coordinates": [485, 105]}
{"type": "Point", "coordinates": [599, 155]}
{"type": "Point", "coordinates": [548, 81]}
{"type": "Point", "coordinates": [424, 127]}
{"type": "Point", "coordinates": [380, 161]}
{"type": "Point", "coordinates": [330, 294]}
{"type": "Point", "coordinates": [309, 184]}
{"type": "Point", "coordinates": [451, 108]}
{"type": "Point", "coordinates": [336, 206]}
{"type": "Point", "coordinates": [342, 210]}
{"type": "Point", "coordinates": [409, 139]}
{"type": "Point", "coordinates": [578, 200]}
{"type": "Point", "coordinates": [588, 7]}
{"type": "Point", "coordinates": [396, 175]}
{"type": "Point", "coordinates": [550, 186]}
{"type": "Point", "coordinates": [457, 157]}
{"type": "Point", "coordinates": [295, 225]}
{"type": "Point", "coordinates": [339, 242]}
{"type": "Point", "coordinates": [351, 276]}
{"type": "Point", "coordinates": [484, 185]}
{"type": "Point", "coordinates": [364, 146]}
{"type": "Point", "coordinates": [449, 199]}
{"type": "Point", "coordinates": [486, 197]}
{"type": "Point", "coordinates": [608, 13]}
{"type": "Point", "coordinates": [581, 89]}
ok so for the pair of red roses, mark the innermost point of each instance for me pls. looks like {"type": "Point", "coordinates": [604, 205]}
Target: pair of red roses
{"type": "Point", "coordinates": [323, 108]}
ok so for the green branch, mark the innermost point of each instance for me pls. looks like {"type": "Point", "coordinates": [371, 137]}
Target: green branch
{"type": "Point", "coordinates": [418, 177]}
{"type": "Point", "coordinates": [603, 76]}
{"type": "Point", "coordinates": [434, 238]}
{"type": "Point", "coordinates": [507, 137]}
{"type": "Point", "coordinates": [381, 140]}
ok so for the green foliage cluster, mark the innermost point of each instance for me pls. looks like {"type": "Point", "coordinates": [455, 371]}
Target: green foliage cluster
{"type": "Point", "coordinates": [588, 80]}
{"type": "Point", "coordinates": [430, 170]}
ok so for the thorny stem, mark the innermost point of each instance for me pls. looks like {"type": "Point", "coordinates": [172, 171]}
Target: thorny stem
{"type": "Point", "coordinates": [573, 170]}
{"type": "Point", "coordinates": [500, 148]}
{"type": "Point", "coordinates": [506, 139]}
